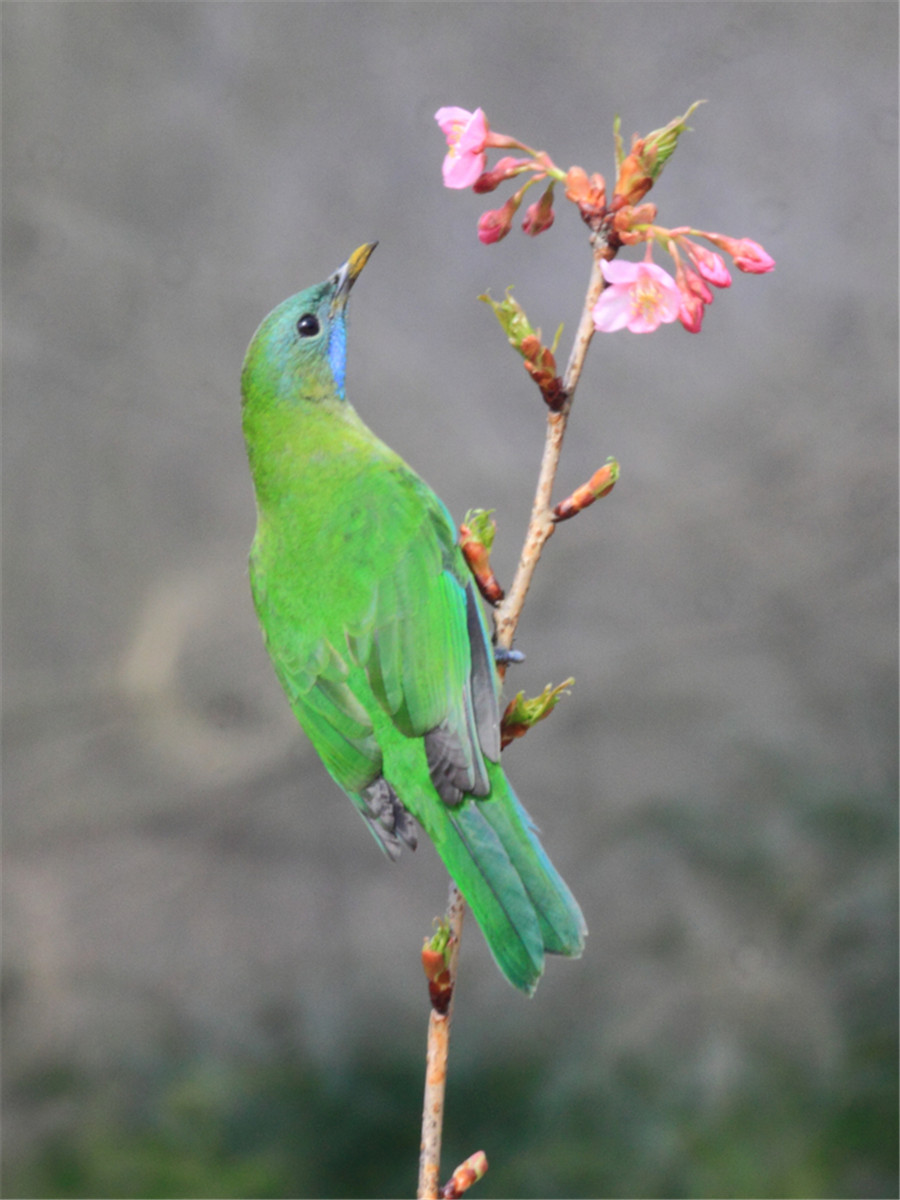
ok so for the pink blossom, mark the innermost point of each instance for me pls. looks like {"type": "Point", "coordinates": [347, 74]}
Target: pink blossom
{"type": "Point", "coordinates": [466, 133]}
{"type": "Point", "coordinates": [639, 296]}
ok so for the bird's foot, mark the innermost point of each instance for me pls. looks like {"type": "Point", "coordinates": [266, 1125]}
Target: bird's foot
{"type": "Point", "coordinates": [504, 657]}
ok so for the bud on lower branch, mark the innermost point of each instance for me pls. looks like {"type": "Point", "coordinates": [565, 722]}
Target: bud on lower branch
{"type": "Point", "coordinates": [521, 714]}
{"type": "Point", "coordinates": [599, 484]}
{"type": "Point", "coordinates": [474, 1168]}
{"type": "Point", "coordinates": [540, 363]}
{"type": "Point", "coordinates": [436, 964]}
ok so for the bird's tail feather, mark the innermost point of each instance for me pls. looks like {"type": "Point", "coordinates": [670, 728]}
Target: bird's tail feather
{"type": "Point", "coordinates": [562, 923]}
{"type": "Point", "coordinates": [524, 908]}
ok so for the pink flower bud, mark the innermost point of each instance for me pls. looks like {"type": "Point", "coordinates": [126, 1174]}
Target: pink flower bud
{"type": "Point", "coordinates": [691, 284]}
{"type": "Point", "coordinates": [751, 257]}
{"type": "Point", "coordinates": [496, 223]}
{"type": "Point", "coordinates": [691, 313]}
{"type": "Point", "coordinates": [710, 265]}
{"type": "Point", "coordinates": [748, 255]}
{"type": "Point", "coordinates": [539, 216]}
{"type": "Point", "coordinates": [695, 295]}
{"type": "Point", "coordinates": [506, 168]}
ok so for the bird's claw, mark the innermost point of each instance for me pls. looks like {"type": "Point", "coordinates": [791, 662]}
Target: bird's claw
{"type": "Point", "coordinates": [503, 657]}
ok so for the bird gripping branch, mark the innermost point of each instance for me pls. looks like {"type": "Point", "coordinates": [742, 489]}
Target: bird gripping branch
{"type": "Point", "coordinates": [371, 618]}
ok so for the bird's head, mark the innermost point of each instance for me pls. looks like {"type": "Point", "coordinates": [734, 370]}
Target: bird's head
{"type": "Point", "coordinates": [299, 351]}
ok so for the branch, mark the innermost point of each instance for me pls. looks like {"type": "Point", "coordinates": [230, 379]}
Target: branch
{"type": "Point", "coordinates": [506, 618]}
{"type": "Point", "coordinates": [436, 1056]}
{"type": "Point", "coordinates": [542, 521]}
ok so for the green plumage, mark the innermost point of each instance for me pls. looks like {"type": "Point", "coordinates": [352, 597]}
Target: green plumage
{"type": "Point", "coordinates": [370, 616]}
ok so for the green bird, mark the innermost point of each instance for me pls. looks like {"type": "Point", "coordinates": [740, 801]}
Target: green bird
{"type": "Point", "coordinates": [370, 617]}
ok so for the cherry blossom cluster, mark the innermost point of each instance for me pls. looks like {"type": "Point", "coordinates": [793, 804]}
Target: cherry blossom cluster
{"type": "Point", "coordinates": [638, 296]}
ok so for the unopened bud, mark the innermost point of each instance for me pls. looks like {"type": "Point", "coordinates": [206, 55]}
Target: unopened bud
{"type": "Point", "coordinates": [600, 484]}
{"type": "Point", "coordinates": [691, 313]}
{"type": "Point", "coordinates": [709, 264]}
{"type": "Point", "coordinates": [505, 169]}
{"type": "Point", "coordinates": [436, 964]}
{"type": "Point", "coordinates": [630, 215]}
{"type": "Point", "coordinates": [521, 714]}
{"type": "Point", "coordinates": [496, 223]}
{"type": "Point", "coordinates": [748, 255]}
{"type": "Point", "coordinates": [476, 536]}
{"type": "Point", "coordinates": [588, 194]}
{"type": "Point", "coordinates": [511, 315]}
{"type": "Point", "coordinates": [474, 1168]}
{"type": "Point", "coordinates": [640, 169]}
{"type": "Point", "coordinates": [539, 216]}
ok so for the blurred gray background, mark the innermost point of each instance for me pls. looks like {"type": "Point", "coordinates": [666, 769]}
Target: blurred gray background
{"type": "Point", "coordinates": [183, 883]}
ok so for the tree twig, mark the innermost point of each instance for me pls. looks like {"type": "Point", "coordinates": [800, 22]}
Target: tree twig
{"type": "Point", "coordinates": [436, 1061]}
{"type": "Point", "coordinates": [506, 619]}
{"type": "Point", "coordinates": [542, 524]}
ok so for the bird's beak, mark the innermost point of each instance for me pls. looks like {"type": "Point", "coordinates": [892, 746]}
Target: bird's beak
{"type": "Point", "coordinates": [345, 276]}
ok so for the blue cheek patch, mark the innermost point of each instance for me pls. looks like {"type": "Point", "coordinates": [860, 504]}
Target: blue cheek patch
{"type": "Point", "coordinates": [337, 353]}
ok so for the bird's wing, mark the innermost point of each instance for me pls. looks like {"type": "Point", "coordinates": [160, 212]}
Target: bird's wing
{"type": "Point", "coordinates": [412, 643]}
{"type": "Point", "coordinates": [315, 673]}
{"type": "Point", "coordinates": [426, 652]}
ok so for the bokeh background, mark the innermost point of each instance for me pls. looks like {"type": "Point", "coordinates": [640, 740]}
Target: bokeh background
{"type": "Point", "coordinates": [212, 979]}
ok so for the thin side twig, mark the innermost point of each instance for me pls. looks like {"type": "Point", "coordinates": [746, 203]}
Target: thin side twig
{"type": "Point", "coordinates": [436, 1063]}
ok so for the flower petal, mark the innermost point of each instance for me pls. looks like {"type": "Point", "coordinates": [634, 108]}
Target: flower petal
{"type": "Point", "coordinates": [450, 117]}
{"type": "Point", "coordinates": [613, 310]}
{"type": "Point", "coordinates": [619, 271]}
{"type": "Point", "coordinates": [465, 132]}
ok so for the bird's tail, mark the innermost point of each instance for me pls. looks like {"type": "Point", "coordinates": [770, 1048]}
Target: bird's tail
{"type": "Point", "coordinates": [517, 896]}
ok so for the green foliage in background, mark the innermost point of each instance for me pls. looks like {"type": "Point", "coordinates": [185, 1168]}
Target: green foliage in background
{"type": "Point", "coordinates": [203, 1129]}
{"type": "Point", "coordinates": [648, 1120]}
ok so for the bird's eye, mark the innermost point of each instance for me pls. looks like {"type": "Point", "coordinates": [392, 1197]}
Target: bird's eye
{"type": "Point", "coordinates": [308, 325]}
